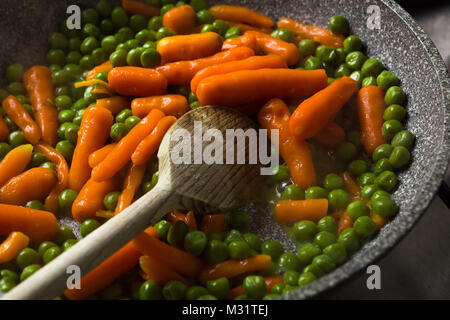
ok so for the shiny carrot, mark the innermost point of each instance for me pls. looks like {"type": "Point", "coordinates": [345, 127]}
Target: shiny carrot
{"type": "Point", "coordinates": [36, 224]}
{"type": "Point", "coordinates": [241, 14]}
{"type": "Point", "coordinates": [22, 119]}
{"type": "Point", "coordinates": [275, 116]}
{"type": "Point", "coordinates": [214, 223]}
{"type": "Point", "coordinates": [191, 221]}
{"type": "Point", "coordinates": [138, 7]}
{"type": "Point", "coordinates": [33, 184]}
{"type": "Point", "coordinates": [293, 211]}
{"type": "Point", "coordinates": [147, 147]}
{"type": "Point", "coordinates": [134, 81]}
{"type": "Point", "coordinates": [90, 198]}
{"type": "Point", "coordinates": [331, 136]}
{"type": "Point", "coordinates": [234, 268]}
{"type": "Point", "coordinates": [11, 246]}
{"type": "Point", "coordinates": [245, 27]}
{"type": "Point", "coordinates": [131, 183]}
{"type": "Point", "coordinates": [180, 19]}
{"type": "Point", "coordinates": [15, 162]}
{"type": "Point", "coordinates": [106, 66]}
{"type": "Point", "coordinates": [114, 104]}
{"type": "Point", "coordinates": [371, 107]}
{"type": "Point", "coordinates": [315, 113]}
{"type": "Point", "coordinates": [344, 222]}
{"type": "Point", "coordinates": [174, 258]}
{"type": "Point", "coordinates": [271, 45]}
{"type": "Point", "coordinates": [252, 63]}
{"type": "Point", "coordinates": [62, 172]}
{"type": "Point", "coordinates": [248, 86]}
{"type": "Point", "coordinates": [182, 72]}
{"type": "Point", "coordinates": [4, 130]}
{"type": "Point", "coordinates": [171, 104]}
{"type": "Point", "coordinates": [153, 269]}
{"type": "Point", "coordinates": [122, 152]}
{"type": "Point", "coordinates": [98, 156]}
{"type": "Point", "coordinates": [104, 274]}
{"type": "Point", "coordinates": [94, 131]}
{"type": "Point", "coordinates": [175, 216]}
{"type": "Point", "coordinates": [39, 85]}
{"type": "Point", "coordinates": [352, 187]}
{"type": "Point", "coordinates": [189, 47]}
{"type": "Point", "coordinates": [246, 40]}
{"type": "Point", "coordinates": [314, 33]}
{"type": "Point", "coordinates": [239, 290]}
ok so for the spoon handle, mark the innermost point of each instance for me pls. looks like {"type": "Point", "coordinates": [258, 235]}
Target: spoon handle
{"type": "Point", "coordinates": [51, 281]}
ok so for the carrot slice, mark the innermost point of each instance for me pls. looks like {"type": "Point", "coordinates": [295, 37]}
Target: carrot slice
{"type": "Point", "coordinates": [352, 187]}
{"type": "Point", "coordinates": [135, 81]}
{"type": "Point", "coordinates": [344, 222]}
{"type": "Point", "coordinates": [214, 223]}
{"type": "Point", "coordinates": [241, 14]}
{"type": "Point", "coordinates": [191, 221]}
{"type": "Point", "coordinates": [131, 183]}
{"type": "Point", "coordinates": [171, 104]}
{"type": "Point", "coordinates": [292, 211]}
{"type": "Point", "coordinates": [15, 162]}
{"type": "Point", "coordinates": [10, 248]}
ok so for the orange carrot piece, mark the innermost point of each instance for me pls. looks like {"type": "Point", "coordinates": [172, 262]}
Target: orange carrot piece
{"type": "Point", "coordinates": [122, 152]}
{"type": "Point", "coordinates": [344, 222]}
{"type": "Point", "coordinates": [252, 63]}
{"type": "Point", "coordinates": [314, 33]}
{"type": "Point", "coordinates": [15, 162]}
{"type": "Point", "coordinates": [248, 86]}
{"type": "Point", "coordinates": [191, 221]}
{"type": "Point", "coordinates": [241, 14]}
{"type": "Point", "coordinates": [315, 113]}
{"type": "Point", "coordinates": [151, 231]}
{"type": "Point", "coordinates": [62, 171]}
{"type": "Point", "coordinates": [239, 290]}
{"type": "Point", "coordinates": [352, 187]}
{"type": "Point", "coordinates": [22, 119]}
{"type": "Point", "coordinates": [114, 104]}
{"type": "Point", "coordinates": [98, 156]}
{"type": "Point", "coordinates": [139, 82]}
{"type": "Point", "coordinates": [153, 269]}
{"type": "Point", "coordinates": [371, 107]}
{"type": "Point", "coordinates": [293, 211]}
{"type": "Point", "coordinates": [106, 66]}
{"type": "Point", "coordinates": [175, 216]}
{"type": "Point", "coordinates": [4, 130]}
{"type": "Point", "coordinates": [234, 268]}
{"type": "Point", "coordinates": [189, 47]}
{"type": "Point", "coordinates": [94, 131]}
{"type": "Point", "coordinates": [181, 20]}
{"type": "Point", "coordinates": [331, 136]}
{"type": "Point", "coordinates": [147, 147]}
{"type": "Point", "coordinates": [104, 274]}
{"type": "Point", "coordinates": [214, 223]}
{"type": "Point", "coordinates": [38, 83]}
{"type": "Point", "coordinates": [182, 72]}
{"type": "Point", "coordinates": [379, 220]}
{"type": "Point", "coordinates": [245, 27]}
{"type": "Point", "coordinates": [174, 258]}
{"type": "Point", "coordinates": [90, 198]}
{"type": "Point", "coordinates": [246, 40]}
{"type": "Point", "coordinates": [171, 104]}
{"type": "Point", "coordinates": [36, 224]}
{"type": "Point", "coordinates": [137, 7]}
{"type": "Point", "coordinates": [11, 246]}
{"type": "Point", "coordinates": [275, 116]}
{"type": "Point", "coordinates": [131, 183]}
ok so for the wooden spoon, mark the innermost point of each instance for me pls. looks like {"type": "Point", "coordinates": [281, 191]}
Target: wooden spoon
{"type": "Point", "coordinates": [218, 186]}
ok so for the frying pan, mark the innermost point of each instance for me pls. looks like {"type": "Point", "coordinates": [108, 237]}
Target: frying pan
{"type": "Point", "coordinates": [397, 41]}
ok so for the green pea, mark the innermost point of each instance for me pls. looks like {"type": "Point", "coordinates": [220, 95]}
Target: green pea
{"type": "Point", "coordinates": [342, 70]}
{"type": "Point", "coordinates": [253, 241]}
{"type": "Point", "coordinates": [231, 33]}
{"type": "Point", "coordinates": [391, 128]}
{"type": "Point", "coordinates": [314, 269]}
{"type": "Point", "coordinates": [290, 277]}
{"type": "Point", "coordinates": [338, 24]}
{"type": "Point", "coordinates": [366, 179]}
{"type": "Point", "coordinates": [368, 191]}
{"type": "Point", "coordinates": [164, 32]}
{"type": "Point", "coordinates": [387, 181]}
{"type": "Point", "coordinates": [207, 297]}
{"type": "Point", "coordinates": [99, 56]}
{"type": "Point", "coordinates": [358, 167]}
{"type": "Point", "coordinates": [106, 26]}
{"type": "Point", "coordinates": [150, 290]}
{"type": "Point", "coordinates": [272, 248]}
{"type": "Point", "coordinates": [219, 287]}
{"type": "Point", "coordinates": [16, 88]}
{"type": "Point", "coordinates": [66, 199]}
{"type": "Point", "coordinates": [4, 149]}
{"type": "Point", "coordinates": [221, 26]}
{"type": "Point", "coordinates": [44, 246]}
{"type": "Point", "coordinates": [92, 30]}
{"type": "Point", "coordinates": [162, 227]}
{"type": "Point", "coordinates": [270, 296]}
{"type": "Point", "coordinates": [118, 131]}
{"type": "Point", "coordinates": [304, 231]}
{"type": "Point", "coordinates": [307, 252]}
{"type": "Point", "coordinates": [37, 159]}
{"type": "Point", "coordinates": [103, 75]}
{"type": "Point", "coordinates": [306, 278]}
{"type": "Point", "coordinates": [26, 257]}
{"type": "Point", "coordinates": [195, 292]}
{"type": "Point", "coordinates": [365, 227]}
{"type": "Point", "coordinates": [137, 22]}
{"type": "Point", "coordinates": [238, 250]}
{"type": "Point", "coordinates": [3, 94]}
{"type": "Point", "coordinates": [195, 242]}
{"type": "Point", "coordinates": [382, 165]}
{"type": "Point", "coordinates": [5, 273]}
{"type": "Point", "coordinates": [353, 43]}
{"type": "Point", "coordinates": [119, 17]}
{"type": "Point", "coordinates": [28, 271]}
{"type": "Point", "coordinates": [336, 252]}
{"type": "Point", "coordinates": [216, 251]}
{"type": "Point", "coordinates": [209, 28]}
{"type": "Point", "coordinates": [404, 139]}
{"type": "Point", "coordinates": [63, 102]}
{"type": "Point", "coordinates": [118, 58]}
{"type": "Point", "coordinates": [90, 15]}
{"type": "Point", "coordinates": [134, 57]}
{"type": "Point", "coordinates": [104, 8]}
{"type": "Point", "coordinates": [68, 244]}
{"type": "Point", "coordinates": [395, 112]}
{"type": "Point", "coordinates": [233, 235]}
{"type": "Point", "coordinates": [239, 220]}
{"type": "Point", "coordinates": [195, 105]}
{"type": "Point", "coordinates": [281, 174]}
{"type": "Point", "coordinates": [15, 71]}
{"type": "Point", "coordinates": [35, 204]}
{"type": "Point", "coordinates": [369, 81]}
{"type": "Point", "coordinates": [11, 125]}
{"type": "Point", "coordinates": [75, 44]}
{"type": "Point", "coordinates": [131, 122]}
{"type": "Point", "coordinates": [174, 290]}
{"type": "Point", "coordinates": [215, 236]}
{"type": "Point", "coordinates": [400, 157]}
{"type": "Point", "coordinates": [150, 45]}
{"type": "Point", "coordinates": [16, 138]}
{"type": "Point", "coordinates": [333, 181]}
{"type": "Point", "coordinates": [124, 34]}
{"type": "Point", "coordinates": [372, 67]}
{"type": "Point", "coordinates": [307, 47]}
{"type": "Point", "coordinates": [386, 79]}
{"type": "Point", "coordinates": [349, 239]}
{"type": "Point", "coordinates": [51, 254]}
{"type": "Point", "coordinates": [327, 224]}
{"type": "Point", "coordinates": [199, 5]}
{"type": "Point", "coordinates": [346, 151]}
{"type": "Point", "coordinates": [384, 206]}
{"type": "Point", "coordinates": [324, 239]}
{"type": "Point", "coordinates": [87, 62]}
{"type": "Point", "coordinates": [110, 200]}
{"type": "Point", "coordinates": [289, 261]}
{"type": "Point", "coordinates": [80, 104]}
{"type": "Point", "coordinates": [293, 192]}
{"type": "Point", "coordinates": [355, 60]}
{"type": "Point", "coordinates": [383, 151]}
{"type": "Point", "coordinates": [71, 133]}
{"type": "Point", "coordinates": [278, 288]}
{"type": "Point", "coordinates": [66, 148]}
{"type": "Point", "coordinates": [326, 54]}
{"type": "Point", "coordinates": [338, 199]}
{"type": "Point", "coordinates": [316, 193]}
{"type": "Point", "coordinates": [283, 34]}
{"type": "Point", "coordinates": [155, 23]}
{"type": "Point", "coordinates": [395, 95]}
{"type": "Point", "coordinates": [176, 234]}
{"type": "Point", "coordinates": [109, 43]}
{"type": "Point", "coordinates": [89, 44]}
{"type": "Point", "coordinates": [150, 58]}
{"type": "Point", "coordinates": [88, 226]}
{"type": "Point", "coordinates": [313, 63]}
{"type": "Point", "coordinates": [357, 209]}
{"type": "Point", "coordinates": [255, 287]}
{"type": "Point", "coordinates": [56, 56]}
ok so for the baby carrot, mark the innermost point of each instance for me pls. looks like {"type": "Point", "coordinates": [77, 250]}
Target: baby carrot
{"type": "Point", "coordinates": [245, 27]}
{"type": "Point", "coordinates": [182, 72]}
{"type": "Point", "coordinates": [175, 216]}
{"type": "Point", "coordinates": [191, 221]}
{"type": "Point", "coordinates": [315, 113]}
{"type": "Point", "coordinates": [138, 7]}
{"type": "Point", "coordinates": [314, 33]}
{"type": "Point", "coordinates": [214, 223]}
{"type": "Point", "coordinates": [11, 246]}
{"type": "Point", "coordinates": [248, 86]}
{"type": "Point", "coordinates": [371, 107]}
{"type": "Point", "coordinates": [131, 183]}
{"type": "Point", "coordinates": [98, 156]}
{"type": "Point", "coordinates": [171, 104]}
{"type": "Point", "coordinates": [39, 85]}
{"type": "Point", "coordinates": [122, 152]}
{"type": "Point", "coordinates": [246, 40]}
{"type": "Point", "coordinates": [379, 220]}
{"type": "Point", "coordinates": [24, 121]}
{"type": "Point", "coordinates": [331, 136]}
{"type": "Point", "coordinates": [344, 222]}
{"type": "Point", "coordinates": [15, 162]}
{"type": "Point", "coordinates": [90, 198]}
{"type": "Point", "coordinates": [106, 66]}
{"type": "Point", "coordinates": [275, 116]}
{"type": "Point", "coordinates": [114, 104]}
{"type": "Point", "coordinates": [239, 290]}
{"type": "Point", "coordinates": [154, 270]}
{"type": "Point", "coordinates": [36, 224]}
{"type": "Point", "coordinates": [62, 172]}
{"type": "Point", "coordinates": [34, 184]}
{"type": "Point", "coordinates": [293, 211]}
{"type": "Point", "coordinates": [105, 273]}
{"type": "Point", "coordinates": [174, 258]}
{"type": "Point", "coordinates": [241, 14]}
{"type": "Point", "coordinates": [147, 147]}
{"type": "Point", "coordinates": [234, 268]}
{"type": "Point", "coordinates": [189, 47]}
{"type": "Point", "coordinates": [252, 63]}
{"type": "Point", "coordinates": [352, 187]}
{"type": "Point", "coordinates": [139, 82]}
{"type": "Point", "coordinates": [4, 130]}
{"type": "Point", "coordinates": [271, 45]}
{"type": "Point", "coordinates": [94, 131]}
{"type": "Point", "coordinates": [180, 19]}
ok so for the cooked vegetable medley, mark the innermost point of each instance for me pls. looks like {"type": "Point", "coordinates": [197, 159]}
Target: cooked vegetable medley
{"type": "Point", "coordinates": [79, 137]}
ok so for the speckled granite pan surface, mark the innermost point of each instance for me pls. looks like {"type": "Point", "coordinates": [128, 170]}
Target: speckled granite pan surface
{"type": "Point", "coordinates": [400, 44]}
